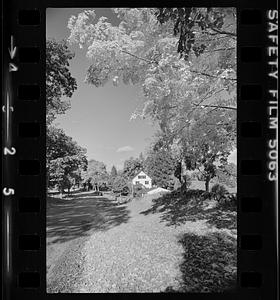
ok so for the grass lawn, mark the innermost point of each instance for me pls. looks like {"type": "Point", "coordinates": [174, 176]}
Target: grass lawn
{"type": "Point", "coordinates": [157, 243]}
{"type": "Point", "coordinates": [209, 240]}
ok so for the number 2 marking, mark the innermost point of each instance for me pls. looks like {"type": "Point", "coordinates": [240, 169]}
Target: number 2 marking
{"type": "Point", "coordinates": [11, 151]}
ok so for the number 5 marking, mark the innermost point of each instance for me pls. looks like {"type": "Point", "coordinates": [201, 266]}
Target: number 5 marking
{"type": "Point", "coordinates": [11, 151]}
{"type": "Point", "coordinates": [8, 191]}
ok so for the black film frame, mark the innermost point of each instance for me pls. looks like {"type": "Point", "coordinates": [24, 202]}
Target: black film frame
{"type": "Point", "coordinates": [23, 184]}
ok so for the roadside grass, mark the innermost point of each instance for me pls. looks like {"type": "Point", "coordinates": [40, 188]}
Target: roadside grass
{"type": "Point", "coordinates": [76, 217]}
{"type": "Point", "coordinates": [209, 262]}
{"type": "Point", "coordinates": [176, 209]}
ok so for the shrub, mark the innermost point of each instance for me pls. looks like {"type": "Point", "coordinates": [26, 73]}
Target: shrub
{"type": "Point", "coordinates": [219, 191]}
{"type": "Point", "coordinates": [139, 190]}
{"type": "Point", "coordinates": [125, 191]}
{"type": "Point", "coordinates": [230, 202]}
{"type": "Point", "coordinates": [119, 184]}
{"type": "Point", "coordinates": [208, 195]}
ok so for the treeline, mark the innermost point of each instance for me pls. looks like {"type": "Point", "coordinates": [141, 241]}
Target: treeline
{"type": "Point", "coordinates": [160, 165]}
{"type": "Point", "coordinates": [66, 160]}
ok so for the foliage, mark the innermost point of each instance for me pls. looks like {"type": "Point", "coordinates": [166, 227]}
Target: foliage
{"type": "Point", "coordinates": [227, 174]}
{"type": "Point", "coordinates": [219, 191]}
{"type": "Point", "coordinates": [141, 158]}
{"type": "Point", "coordinates": [210, 263]}
{"type": "Point", "coordinates": [160, 166]}
{"type": "Point", "coordinates": [194, 100]}
{"type": "Point", "coordinates": [177, 208]}
{"type": "Point", "coordinates": [114, 172]}
{"type": "Point", "coordinates": [189, 21]}
{"type": "Point", "coordinates": [229, 202]}
{"type": "Point", "coordinates": [131, 167]}
{"type": "Point", "coordinates": [139, 190]}
{"type": "Point", "coordinates": [63, 171]}
{"type": "Point", "coordinates": [96, 173]}
{"type": "Point", "coordinates": [66, 160]}
{"type": "Point", "coordinates": [58, 144]}
{"type": "Point", "coordinates": [119, 184]}
{"type": "Point", "coordinates": [59, 81]}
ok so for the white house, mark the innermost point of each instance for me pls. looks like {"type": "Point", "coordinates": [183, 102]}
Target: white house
{"type": "Point", "coordinates": [142, 178]}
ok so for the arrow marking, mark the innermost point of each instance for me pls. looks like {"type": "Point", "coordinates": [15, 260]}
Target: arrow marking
{"type": "Point", "coordinates": [13, 49]}
{"type": "Point", "coordinates": [12, 67]}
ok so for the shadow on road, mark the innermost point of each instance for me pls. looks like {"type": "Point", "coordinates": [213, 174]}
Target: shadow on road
{"type": "Point", "coordinates": [176, 210]}
{"type": "Point", "coordinates": [81, 214]}
{"type": "Point", "coordinates": [209, 264]}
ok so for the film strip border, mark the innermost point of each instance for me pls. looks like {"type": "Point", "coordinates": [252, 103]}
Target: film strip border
{"type": "Point", "coordinates": [24, 191]}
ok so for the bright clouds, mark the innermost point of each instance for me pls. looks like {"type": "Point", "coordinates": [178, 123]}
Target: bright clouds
{"type": "Point", "coordinates": [125, 149]}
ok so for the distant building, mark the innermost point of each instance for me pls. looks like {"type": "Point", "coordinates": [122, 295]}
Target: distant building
{"type": "Point", "coordinates": [142, 178]}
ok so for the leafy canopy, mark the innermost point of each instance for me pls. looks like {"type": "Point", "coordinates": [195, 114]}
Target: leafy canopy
{"type": "Point", "coordinates": [160, 166]}
{"type": "Point", "coordinates": [59, 81]}
{"type": "Point", "coordinates": [65, 159]}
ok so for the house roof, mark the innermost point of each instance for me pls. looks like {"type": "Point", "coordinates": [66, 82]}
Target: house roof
{"type": "Point", "coordinates": [140, 172]}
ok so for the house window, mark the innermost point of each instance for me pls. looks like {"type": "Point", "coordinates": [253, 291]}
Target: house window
{"type": "Point", "coordinates": [137, 182]}
{"type": "Point", "coordinates": [141, 177]}
{"type": "Point", "coordinates": [146, 182]}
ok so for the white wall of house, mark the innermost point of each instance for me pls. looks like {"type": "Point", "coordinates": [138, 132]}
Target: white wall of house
{"type": "Point", "coordinates": [142, 178]}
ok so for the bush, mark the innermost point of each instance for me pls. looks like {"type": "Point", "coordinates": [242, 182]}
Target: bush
{"type": "Point", "coordinates": [119, 184]}
{"type": "Point", "coordinates": [230, 202]}
{"type": "Point", "coordinates": [219, 191]}
{"type": "Point", "coordinates": [97, 193]}
{"type": "Point", "coordinates": [125, 191]}
{"type": "Point", "coordinates": [208, 195]}
{"type": "Point", "coordinates": [139, 190]}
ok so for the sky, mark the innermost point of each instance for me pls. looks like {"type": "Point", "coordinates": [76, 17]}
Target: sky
{"type": "Point", "coordinates": [99, 118]}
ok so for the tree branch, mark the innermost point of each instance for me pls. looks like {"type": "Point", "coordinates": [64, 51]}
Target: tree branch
{"type": "Point", "coordinates": [220, 49]}
{"type": "Point", "coordinates": [216, 106]}
{"type": "Point", "coordinates": [223, 32]}
{"type": "Point", "coordinates": [212, 76]}
{"type": "Point", "coordinates": [144, 59]}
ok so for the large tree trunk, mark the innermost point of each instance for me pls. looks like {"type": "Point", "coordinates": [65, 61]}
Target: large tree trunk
{"type": "Point", "coordinates": [61, 190]}
{"type": "Point", "coordinates": [207, 181]}
{"type": "Point", "coordinates": [183, 175]}
{"type": "Point", "coordinates": [183, 170]}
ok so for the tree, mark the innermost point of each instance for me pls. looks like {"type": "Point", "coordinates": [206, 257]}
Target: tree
{"type": "Point", "coordinates": [227, 174]}
{"type": "Point", "coordinates": [96, 173]}
{"type": "Point", "coordinates": [59, 82]}
{"type": "Point", "coordinates": [131, 167]}
{"type": "Point", "coordinates": [114, 172]}
{"type": "Point", "coordinates": [178, 92]}
{"type": "Point", "coordinates": [63, 170]}
{"type": "Point", "coordinates": [160, 166]}
{"type": "Point", "coordinates": [119, 184]}
{"type": "Point", "coordinates": [187, 21]}
{"type": "Point", "coordinates": [58, 144]}
{"type": "Point", "coordinates": [65, 159]}
{"type": "Point", "coordinates": [141, 158]}
{"type": "Point", "coordinates": [206, 147]}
